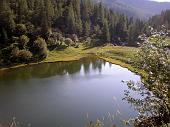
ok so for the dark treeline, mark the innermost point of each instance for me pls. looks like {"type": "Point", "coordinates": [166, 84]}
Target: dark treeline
{"type": "Point", "coordinates": [158, 20]}
{"type": "Point", "coordinates": [28, 28]}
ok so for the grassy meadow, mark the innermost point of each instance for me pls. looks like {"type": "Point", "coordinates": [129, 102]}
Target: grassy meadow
{"type": "Point", "coordinates": [120, 55]}
{"type": "Point", "coordinates": [116, 54]}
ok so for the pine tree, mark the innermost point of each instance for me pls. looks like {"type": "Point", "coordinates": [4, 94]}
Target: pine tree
{"type": "Point", "coordinates": [87, 28]}
{"type": "Point", "coordinates": [31, 4]}
{"type": "Point", "coordinates": [7, 23]}
{"type": "Point", "coordinates": [38, 14]}
{"type": "Point", "coordinates": [22, 11]}
{"type": "Point", "coordinates": [49, 9]}
{"type": "Point", "coordinates": [71, 19]}
{"type": "Point", "coordinates": [131, 33]}
{"type": "Point", "coordinates": [59, 8]}
{"type": "Point", "coordinates": [102, 15]}
{"type": "Point", "coordinates": [85, 11]}
{"type": "Point", "coordinates": [106, 31]}
{"type": "Point", "coordinates": [77, 13]}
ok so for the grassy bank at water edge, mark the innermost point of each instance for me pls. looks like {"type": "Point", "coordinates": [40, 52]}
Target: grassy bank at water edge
{"type": "Point", "coordinates": [120, 55]}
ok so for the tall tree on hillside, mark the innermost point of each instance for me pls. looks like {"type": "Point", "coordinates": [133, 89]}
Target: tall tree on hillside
{"type": "Point", "coordinates": [159, 20]}
{"type": "Point", "coordinates": [22, 10]}
{"type": "Point", "coordinates": [106, 31]}
{"type": "Point", "coordinates": [78, 21]}
{"type": "Point", "coordinates": [86, 16]}
{"type": "Point", "coordinates": [71, 19]}
{"type": "Point", "coordinates": [101, 19]}
{"type": "Point", "coordinates": [132, 35]}
{"type": "Point", "coordinates": [87, 28]}
{"type": "Point", "coordinates": [38, 12]}
{"type": "Point", "coordinates": [59, 8]}
{"type": "Point", "coordinates": [31, 4]}
{"type": "Point", "coordinates": [49, 9]}
{"type": "Point", "coordinates": [7, 23]}
{"type": "Point", "coordinates": [85, 10]}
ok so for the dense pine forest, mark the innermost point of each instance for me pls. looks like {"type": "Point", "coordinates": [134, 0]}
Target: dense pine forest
{"type": "Point", "coordinates": [158, 20]}
{"type": "Point", "coordinates": [29, 28]}
{"type": "Point", "coordinates": [65, 55]}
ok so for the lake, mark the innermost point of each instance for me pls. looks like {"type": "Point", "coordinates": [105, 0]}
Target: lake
{"type": "Point", "coordinates": [66, 94]}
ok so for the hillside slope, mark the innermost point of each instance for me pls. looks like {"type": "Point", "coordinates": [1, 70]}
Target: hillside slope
{"type": "Point", "coordinates": [137, 8]}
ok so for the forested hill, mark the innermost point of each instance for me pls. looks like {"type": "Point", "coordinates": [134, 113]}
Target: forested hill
{"type": "Point", "coordinates": [162, 19]}
{"type": "Point", "coordinates": [143, 9]}
{"type": "Point", "coordinates": [29, 28]}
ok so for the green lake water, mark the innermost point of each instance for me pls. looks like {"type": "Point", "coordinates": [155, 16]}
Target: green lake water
{"type": "Point", "coordinates": [66, 94]}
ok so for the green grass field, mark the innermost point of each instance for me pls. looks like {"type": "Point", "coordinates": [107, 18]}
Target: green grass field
{"type": "Point", "coordinates": [167, 40]}
{"type": "Point", "coordinates": [124, 54]}
{"type": "Point", "coordinates": [120, 55]}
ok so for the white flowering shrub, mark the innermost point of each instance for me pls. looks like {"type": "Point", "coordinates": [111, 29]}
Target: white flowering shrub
{"type": "Point", "coordinates": [154, 58]}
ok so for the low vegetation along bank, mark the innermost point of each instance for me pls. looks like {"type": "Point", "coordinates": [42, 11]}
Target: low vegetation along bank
{"type": "Point", "coordinates": [124, 56]}
{"type": "Point", "coordinates": [115, 54]}
{"type": "Point", "coordinates": [120, 55]}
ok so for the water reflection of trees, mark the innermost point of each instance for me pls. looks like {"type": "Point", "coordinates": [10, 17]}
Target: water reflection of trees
{"type": "Point", "coordinates": [52, 69]}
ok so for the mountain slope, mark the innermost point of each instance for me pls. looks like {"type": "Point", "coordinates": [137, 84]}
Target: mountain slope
{"type": "Point", "coordinates": [137, 8]}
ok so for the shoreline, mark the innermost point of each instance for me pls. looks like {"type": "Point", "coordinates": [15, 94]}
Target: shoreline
{"type": "Point", "coordinates": [72, 54]}
{"type": "Point", "coordinates": [44, 61]}
{"type": "Point", "coordinates": [32, 64]}
{"type": "Point", "coordinates": [125, 65]}
{"type": "Point", "coordinates": [110, 60]}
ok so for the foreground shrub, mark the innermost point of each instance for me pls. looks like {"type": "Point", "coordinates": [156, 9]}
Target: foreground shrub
{"type": "Point", "coordinates": [20, 29]}
{"type": "Point", "coordinates": [154, 59]}
{"type": "Point", "coordinates": [57, 36]}
{"type": "Point", "coordinates": [40, 48]}
{"type": "Point", "coordinates": [68, 41]}
{"type": "Point", "coordinates": [6, 54]}
{"type": "Point", "coordinates": [23, 41]}
{"type": "Point", "coordinates": [24, 56]}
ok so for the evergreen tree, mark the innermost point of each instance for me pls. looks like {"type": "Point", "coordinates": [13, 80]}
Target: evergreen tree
{"type": "Point", "coordinates": [101, 19]}
{"type": "Point", "coordinates": [131, 35]}
{"type": "Point", "coordinates": [71, 19]}
{"type": "Point", "coordinates": [38, 14]}
{"type": "Point", "coordinates": [49, 9]}
{"type": "Point", "coordinates": [47, 19]}
{"type": "Point", "coordinates": [159, 20]}
{"type": "Point", "coordinates": [87, 28]}
{"type": "Point", "coordinates": [22, 11]}
{"type": "Point", "coordinates": [106, 31]}
{"type": "Point", "coordinates": [77, 14]}
{"type": "Point", "coordinates": [31, 4]}
{"type": "Point", "coordinates": [7, 23]}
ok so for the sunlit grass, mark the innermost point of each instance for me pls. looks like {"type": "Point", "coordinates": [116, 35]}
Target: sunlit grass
{"type": "Point", "coordinates": [124, 54]}
{"type": "Point", "coordinates": [167, 40]}
{"type": "Point", "coordinates": [68, 54]}
{"type": "Point", "coordinates": [120, 55]}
